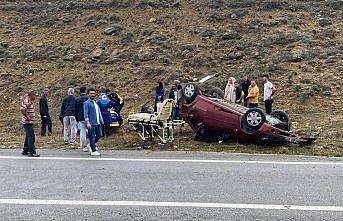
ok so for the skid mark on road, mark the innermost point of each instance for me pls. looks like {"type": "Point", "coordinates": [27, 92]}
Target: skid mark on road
{"type": "Point", "coordinates": [169, 204]}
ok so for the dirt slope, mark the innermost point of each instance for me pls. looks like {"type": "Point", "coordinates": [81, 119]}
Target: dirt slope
{"type": "Point", "coordinates": [130, 44]}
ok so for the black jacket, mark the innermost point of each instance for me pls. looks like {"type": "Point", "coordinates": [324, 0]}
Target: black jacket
{"type": "Point", "coordinates": [43, 106]}
{"type": "Point", "coordinates": [79, 108]}
{"type": "Point", "coordinates": [68, 106]}
{"type": "Point", "coordinates": [245, 87]}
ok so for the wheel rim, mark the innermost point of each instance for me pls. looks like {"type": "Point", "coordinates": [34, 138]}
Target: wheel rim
{"type": "Point", "coordinates": [189, 90]}
{"type": "Point", "coordinates": [254, 118]}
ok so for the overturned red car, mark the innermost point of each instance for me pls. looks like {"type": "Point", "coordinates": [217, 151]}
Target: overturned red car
{"type": "Point", "coordinates": [210, 116]}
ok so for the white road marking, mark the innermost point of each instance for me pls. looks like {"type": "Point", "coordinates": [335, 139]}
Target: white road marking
{"type": "Point", "coordinates": [177, 160]}
{"type": "Point", "coordinates": [169, 204]}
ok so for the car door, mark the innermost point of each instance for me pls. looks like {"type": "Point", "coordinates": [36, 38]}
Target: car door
{"type": "Point", "coordinates": [223, 118]}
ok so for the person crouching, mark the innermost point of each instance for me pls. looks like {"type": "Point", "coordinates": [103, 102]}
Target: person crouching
{"type": "Point", "coordinates": [105, 104]}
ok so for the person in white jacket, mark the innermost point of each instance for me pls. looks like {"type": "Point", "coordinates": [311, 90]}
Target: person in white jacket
{"type": "Point", "coordinates": [230, 89]}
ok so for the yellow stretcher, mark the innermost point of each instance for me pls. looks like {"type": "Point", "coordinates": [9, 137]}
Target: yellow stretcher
{"type": "Point", "coordinates": [160, 125]}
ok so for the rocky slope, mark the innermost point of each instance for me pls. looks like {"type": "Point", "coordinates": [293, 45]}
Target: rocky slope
{"type": "Point", "coordinates": [130, 44]}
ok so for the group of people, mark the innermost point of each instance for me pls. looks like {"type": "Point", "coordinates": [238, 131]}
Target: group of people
{"type": "Point", "coordinates": [247, 92]}
{"type": "Point", "coordinates": [85, 113]}
{"type": "Point", "coordinates": [92, 116]}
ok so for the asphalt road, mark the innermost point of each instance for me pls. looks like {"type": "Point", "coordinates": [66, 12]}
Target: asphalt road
{"type": "Point", "coordinates": [143, 185]}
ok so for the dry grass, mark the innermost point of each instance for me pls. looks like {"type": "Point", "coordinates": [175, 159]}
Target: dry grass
{"type": "Point", "coordinates": [123, 140]}
{"type": "Point", "coordinates": [54, 50]}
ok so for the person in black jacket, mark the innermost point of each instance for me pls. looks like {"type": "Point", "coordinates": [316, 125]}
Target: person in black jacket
{"type": "Point", "coordinates": [245, 84]}
{"type": "Point", "coordinates": [119, 104]}
{"type": "Point", "coordinates": [159, 96]}
{"type": "Point", "coordinates": [175, 94]}
{"type": "Point", "coordinates": [68, 115]}
{"type": "Point", "coordinates": [239, 94]}
{"type": "Point", "coordinates": [44, 113]}
{"type": "Point", "coordinates": [80, 118]}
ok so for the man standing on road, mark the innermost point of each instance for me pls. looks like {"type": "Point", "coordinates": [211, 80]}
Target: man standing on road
{"type": "Point", "coordinates": [253, 95]}
{"type": "Point", "coordinates": [44, 114]}
{"type": "Point", "coordinates": [93, 119]}
{"type": "Point", "coordinates": [68, 116]}
{"type": "Point", "coordinates": [80, 118]}
{"type": "Point", "coordinates": [245, 84]}
{"type": "Point", "coordinates": [268, 92]}
{"type": "Point", "coordinates": [28, 120]}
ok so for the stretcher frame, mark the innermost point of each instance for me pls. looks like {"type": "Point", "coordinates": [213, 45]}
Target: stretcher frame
{"type": "Point", "coordinates": [161, 127]}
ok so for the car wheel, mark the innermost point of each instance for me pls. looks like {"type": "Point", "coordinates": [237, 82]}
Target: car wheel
{"type": "Point", "coordinates": [216, 92]}
{"type": "Point", "coordinates": [282, 116]}
{"type": "Point", "coordinates": [190, 92]}
{"type": "Point", "coordinates": [254, 118]}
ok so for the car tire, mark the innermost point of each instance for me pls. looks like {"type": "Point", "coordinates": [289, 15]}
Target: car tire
{"type": "Point", "coordinates": [190, 92]}
{"type": "Point", "coordinates": [216, 92]}
{"type": "Point", "coordinates": [253, 119]}
{"type": "Point", "coordinates": [282, 116]}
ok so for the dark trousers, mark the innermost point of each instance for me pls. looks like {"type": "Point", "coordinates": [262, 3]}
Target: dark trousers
{"type": "Point", "coordinates": [29, 144]}
{"type": "Point", "coordinates": [253, 105]}
{"type": "Point", "coordinates": [120, 119]}
{"type": "Point", "coordinates": [46, 122]}
{"type": "Point", "coordinates": [245, 102]}
{"type": "Point", "coordinates": [106, 130]}
{"type": "Point", "coordinates": [268, 104]}
{"type": "Point", "coordinates": [176, 113]}
{"type": "Point", "coordinates": [94, 136]}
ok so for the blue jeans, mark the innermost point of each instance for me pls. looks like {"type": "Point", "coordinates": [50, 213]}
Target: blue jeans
{"type": "Point", "coordinates": [253, 105]}
{"type": "Point", "coordinates": [94, 136]}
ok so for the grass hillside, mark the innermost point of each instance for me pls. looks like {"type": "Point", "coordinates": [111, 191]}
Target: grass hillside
{"type": "Point", "coordinates": [129, 45]}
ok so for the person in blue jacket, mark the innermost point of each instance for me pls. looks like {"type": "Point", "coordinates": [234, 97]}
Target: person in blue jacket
{"type": "Point", "coordinates": [94, 120]}
{"type": "Point", "coordinates": [105, 104]}
{"type": "Point", "coordinates": [159, 95]}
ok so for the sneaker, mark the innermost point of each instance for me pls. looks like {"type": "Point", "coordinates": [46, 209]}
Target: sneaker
{"type": "Point", "coordinates": [90, 149]}
{"type": "Point", "coordinates": [24, 153]}
{"type": "Point", "coordinates": [95, 153]}
{"type": "Point", "coordinates": [72, 142]}
{"type": "Point", "coordinates": [33, 155]}
{"type": "Point", "coordinates": [85, 149]}
{"type": "Point", "coordinates": [66, 142]}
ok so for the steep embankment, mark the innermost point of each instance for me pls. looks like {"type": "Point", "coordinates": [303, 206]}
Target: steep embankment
{"type": "Point", "coordinates": [130, 44]}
